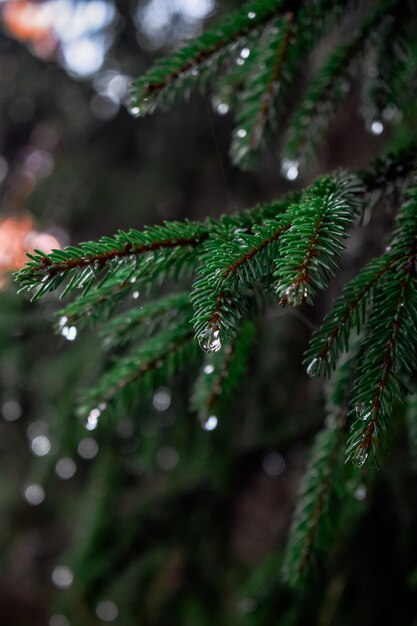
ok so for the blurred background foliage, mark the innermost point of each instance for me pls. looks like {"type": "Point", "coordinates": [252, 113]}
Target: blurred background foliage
{"type": "Point", "coordinates": [151, 519]}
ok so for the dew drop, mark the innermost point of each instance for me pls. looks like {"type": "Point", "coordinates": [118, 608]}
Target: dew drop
{"type": "Point", "coordinates": [62, 577]}
{"type": "Point", "coordinates": [295, 295]}
{"type": "Point", "coordinates": [314, 367]}
{"type": "Point", "coordinates": [251, 15]}
{"type": "Point", "coordinates": [210, 340]}
{"type": "Point", "coordinates": [208, 369]}
{"type": "Point", "coordinates": [222, 108]}
{"type": "Point", "coordinates": [289, 169]}
{"type": "Point", "coordinates": [362, 411]}
{"type": "Point", "coordinates": [241, 133]}
{"type": "Point", "coordinates": [360, 457]}
{"type": "Point", "coordinates": [210, 423]}
{"type": "Point", "coordinates": [377, 127]}
{"type": "Point", "coordinates": [359, 408]}
{"type": "Point", "coordinates": [91, 422]}
{"type": "Point", "coordinates": [134, 111]}
{"type": "Point", "coordinates": [360, 493]}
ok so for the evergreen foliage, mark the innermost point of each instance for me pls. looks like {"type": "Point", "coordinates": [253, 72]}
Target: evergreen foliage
{"type": "Point", "coordinates": [286, 250]}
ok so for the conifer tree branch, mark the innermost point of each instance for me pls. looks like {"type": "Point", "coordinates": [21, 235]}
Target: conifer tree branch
{"type": "Point", "coordinates": [85, 262]}
{"type": "Point", "coordinates": [309, 247]}
{"type": "Point", "coordinates": [156, 87]}
{"type": "Point", "coordinates": [347, 313]}
{"type": "Point", "coordinates": [390, 342]}
{"type": "Point", "coordinates": [324, 489]}
{"type": "Point", "coordinates": [220, 375]}
{"type": "Point", "coordinates": [135, 323]}
{"type": "Point", "coordinates": [256, 110]}
{"type": "Point", "coordinates": [228, 274]}
{"type": "Point", "coordinates": [158, 358]}
{"type": "Point", "coordinates": [328, 87]}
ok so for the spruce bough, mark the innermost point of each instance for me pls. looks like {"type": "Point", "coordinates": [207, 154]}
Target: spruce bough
{"type": "Point", "coordinates": [287, 249]}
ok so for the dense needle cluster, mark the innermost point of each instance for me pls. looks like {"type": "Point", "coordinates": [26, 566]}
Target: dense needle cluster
{"type": "Point", "coordinates": [284, 251]}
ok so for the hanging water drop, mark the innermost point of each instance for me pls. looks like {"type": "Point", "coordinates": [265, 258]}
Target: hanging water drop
{"type": "Point", "coordinates": [289, 169]}
{"type": "Point", "coordinates": [210, 423]}
{"type": "Point", "coordinates": [360, 457]}
{"type": "Point", "coordinates": [377, 127]}
{"type": "Point", "coordinates": [314, 367]}
{"type": "Point", "coordinates": [210, 340]}
{"type": "Point", "coordinates": [294, 295]}
{"type": "Point", "coordinates": [363, 412]}
{"type": "Point", "coordinates": [359, 408]}
{"type": "Point", "coordinates": [222, 108]}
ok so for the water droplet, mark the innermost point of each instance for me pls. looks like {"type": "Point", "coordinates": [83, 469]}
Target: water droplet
{"type": "Point", "coordinates": [210, 423]}
{"type": "Point", "coordinates": [289, 169]}
{"type": "Point", "coordinates": [245, 52]}
{"type": "Point", "coordinates": [58, 620]}
{"type": "Point", "coordinates": [194, 71]}
{"type": "Point", "coordinates": [69, 332]}
{"type": "Point", "coordinates": [377, 127]}
{"type": "Point", "coordinates": [247, 605]}
{"type": "Point", "coordinates": [11, 410]}
{"type": "Point", "coordinates": [273, 464]}
{"type": "Point", "coordinates": [294, 295]}
{"type": "Point", "coordinates": [251, 15]}
{"type": "Point", "coordinates": [107, 611]}
{"type": "Point", "coordinates": [314, 367]}
{"type": "Point", "coordinates": [222, 108]}
{"type": "Point", "coordinates": [208, 369]}
{"type": "Point", "coordinates": [135, 295]}
{"type": "Point", "coordinates": [360, 493]}
{"type": "Point", "coordinates": [241, 133]}
{"type": "Point", "coordinates": [162, 399]}
{"type": "Point", "coordinates": [65, 468]}
{"type": "Point", "coordinates": [40, 445]}
{"type": "Point", "coordinates": [134, 110]}
{"type": "Point", "coordinates": [92, 419]}
{"type": "Point", "coordinates": [88, 448]}
{"type": "Point", "coordinates": [360, 457]}
{"type": "Point", "coordinates": [167, 457]}
{"type": "Point", "coordinates": [210, 340]}
{"type": "Point", "coordinates": [362, 411]}
{"type": "Point", "coordinates": [34, 494]}
{"type": "Point", "coordinates": [240, 61]}
{"type": "Point", "coordinates": [62, 577]}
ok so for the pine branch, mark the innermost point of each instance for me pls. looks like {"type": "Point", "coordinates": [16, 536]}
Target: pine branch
{"type": "Point", "coordinates": [155, 360]}
{"type": "Point", "coordinates": [145, 320]}
{"type": "Point", "coordinates": [348, 314]}
{"type": "Point", "coordinates": [309, 248]}
{"type": "Point", "coordinates": [390, 56]}
{"type": "Point", "coordinates": [160, 246]}
{"type": "Point", "coordinates": [220, 375]}
{"type": "Point", "coordinates": [411, 424]}
{"type": "Point", "coordinates": [256, 113]}
{"type": "Point", "coordinates": [229, 272]}
{"type": "Point", "coordinates": [390, 343]}
{"type": "Point", "coordinates": [181, 71]}
{"type": "Point", "coordinates": [327, 89]}
{"type": "Point", "coordinates": [324, 488]}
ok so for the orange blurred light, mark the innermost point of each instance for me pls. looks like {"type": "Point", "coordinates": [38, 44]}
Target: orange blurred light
{"type": "Point", "coordinates": [29, 22]}
{"type": "Point", "coordinates": [17, 237]}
